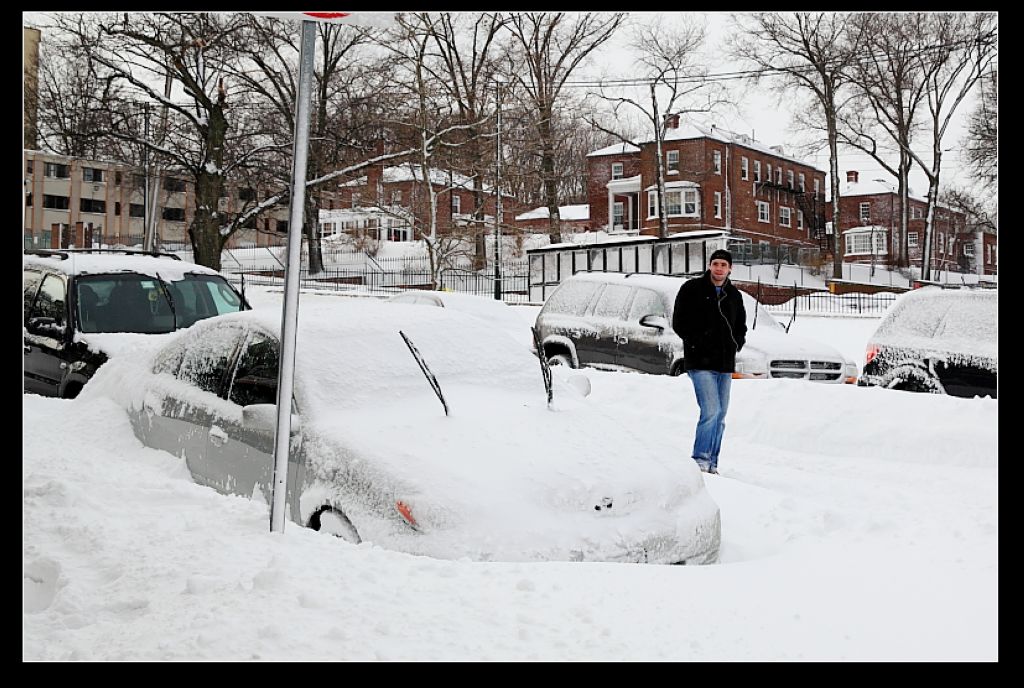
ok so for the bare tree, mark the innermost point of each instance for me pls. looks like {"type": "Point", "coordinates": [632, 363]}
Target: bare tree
{"type": "Point", "coordinates": [269, 69]}
{"type": "Point", "coordinates": [668, 57]}
{"type": "Point", "coordinates": [551, 46]}
{"type": "Point", "coordinates": [963, 47]}
{"type": "Point", "coordinates": [982, 141]}
{"type": "Point", "coordinates": [889, 89]}
{"type": "Point", "coordinates": [809, 50]}
{"type": "Point", "coordinates": [465, 65]}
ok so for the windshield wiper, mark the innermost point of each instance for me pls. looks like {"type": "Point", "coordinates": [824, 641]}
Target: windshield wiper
{"type": "Point", "coordinates": [170, 301]}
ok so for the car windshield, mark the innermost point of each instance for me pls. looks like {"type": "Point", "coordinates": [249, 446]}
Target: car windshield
{"type": "Point", "coordinates": [132, 302]}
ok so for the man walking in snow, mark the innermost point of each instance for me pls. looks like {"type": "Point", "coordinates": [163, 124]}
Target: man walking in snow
{"type": "Point", "coordinates": [710, 318]}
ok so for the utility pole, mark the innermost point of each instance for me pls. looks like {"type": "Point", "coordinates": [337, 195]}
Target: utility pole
{"type": "Point", "coordinates": [497, 203]}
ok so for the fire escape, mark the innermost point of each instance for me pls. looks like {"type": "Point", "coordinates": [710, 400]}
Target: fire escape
{"type": "Point", "coordinates": [813, 207]}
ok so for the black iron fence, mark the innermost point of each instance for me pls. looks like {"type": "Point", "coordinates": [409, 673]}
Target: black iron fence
{"type": "Point", "coordinates": [826, 303]}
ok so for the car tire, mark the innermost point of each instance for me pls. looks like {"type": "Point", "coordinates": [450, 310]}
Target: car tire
{"type": "Point", "coordinates": [910, 378]}
{"type": "Point", "coordinates": [560, 359]}
{"type": "Point", "coordinates": [333, 522]}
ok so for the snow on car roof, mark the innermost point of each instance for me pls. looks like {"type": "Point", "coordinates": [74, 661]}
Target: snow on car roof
{"type": "Point", "coordinates": [101, 263]}
{"type": "Point", "coordinates": [355, 346]}
{"type": "Point", "coordinates": [963, 320]}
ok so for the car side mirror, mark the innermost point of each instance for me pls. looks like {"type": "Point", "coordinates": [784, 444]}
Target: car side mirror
{"type": "Point", "coordinates": [46, 327]}
{"type": "Point", "coordinates": [264, 417]}
{"type": "Point", "coordinates": [656, 321]}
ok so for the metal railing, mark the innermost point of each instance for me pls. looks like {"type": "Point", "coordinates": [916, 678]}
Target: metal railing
{"type": "Point", "coordinates": [826, 303]}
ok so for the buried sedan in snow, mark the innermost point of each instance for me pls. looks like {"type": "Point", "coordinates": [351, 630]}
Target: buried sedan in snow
{"type": "Point", "coordinates": [418, 430]}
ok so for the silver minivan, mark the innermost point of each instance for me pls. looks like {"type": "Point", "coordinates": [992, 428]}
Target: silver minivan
{"type": "Point", "coordinates": [624, 321]}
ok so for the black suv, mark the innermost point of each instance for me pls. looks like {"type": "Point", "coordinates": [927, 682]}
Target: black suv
{"type": "Point", "coordinates": [76, 300]}
{"type": "Point", "coordinates": [936, 340]}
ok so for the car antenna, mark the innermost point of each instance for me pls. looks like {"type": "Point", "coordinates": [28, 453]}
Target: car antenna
{"type": "Point", "coordinates": [792, 318]}
{"type": "Point", "coordinates": [170, 301]}
{"type": "Point", "coordinates": [545, 369]}
{"type": "Point", "coordinates": [426, 371]}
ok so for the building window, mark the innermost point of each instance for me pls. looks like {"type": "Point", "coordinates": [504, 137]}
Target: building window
{"type": "Point", "coordinates": [969, 249]}
{"type": "Point", "coordinates": [803, 186]}
{"type": "Point", "coordinates": [757, 170]}
{"type": "Point", "coordinates": [617, 170]}
{"type": "Point", "coordinates": [117, 207]}
{"type": "Point", "coordinates": [860, 243]}
{"type": "Point", "coordinates": [799, 219]}
{"type": "Point", "coordinates": [718, 204]}
{"type": "Point", "coordinates": [784, 216]}
{"type": "Point", "coordinates": [916, 213]}
{"type": "Point", "coordinates": [139, 181]}
{"type": "Point", "coordinates": [456, 204]}
{"type": "Point", "coordinates": [247, 193]}
{"type": "Point", "coordinates": [744, 168]}
{"type": "Point", "coordinates": [717, 157]}
{"type": "Point", "coordinates": [136, 210]}
{"type": "Point", "coordinates": [689, 203]}
{"type": "Point", "coordinates": [28, 199]}
{"type": "Point", "coordinates": [911, 239]}
{"type": "Point", "coordinates": [174, 214]}
{"type": "Point", "coordinates": [939, 244]}
{"type": "Point", "coordinates": [55, 202]}
{"type": "Point", "coordinates": [865, 212]}
{"type": "Point", "coordinates": [673, 203]}
{"type": "Point", "coordinates": [762, 209]}
{"type": "Point", "coordinates": [778, 175]}
{"type": "Point", "coordinates": [92, 205]}
{"type": "Point", "coordinates": [29, 165]}
{"type": "Point", "coordinates": [817, 186]}
{"type": "Point", "coordinates": [173, 184]}
{"type": "Point", "coordinates": [618, 209]}
{"type": "Point", "coordinates": [672, 161]}
{"type": "Point", "coordinates": [789, 178]}
{"type": "Point", "coordinates": [396, 197]}
{"type": "Point", "coordinates": [652, 204]}
{"type": "Point", "coordinates": [768, 176]}
{"type": "Point", "coordinates": [56, 170]}
{"type": "Point", "coordinates": [91, 174]}
{"type": "Point", "coordinates": [117, 179]}
{"type": "Point", "coordinates": [282, 226]}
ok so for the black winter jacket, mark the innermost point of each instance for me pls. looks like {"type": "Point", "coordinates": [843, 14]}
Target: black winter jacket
{"type": "Point", "coordinates": [713, 328]}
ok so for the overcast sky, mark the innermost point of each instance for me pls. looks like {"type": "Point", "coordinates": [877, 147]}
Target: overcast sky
{"type": "Point", "coordinates": [754, 109]}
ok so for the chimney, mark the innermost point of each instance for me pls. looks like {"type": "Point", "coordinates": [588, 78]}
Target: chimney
{"type": "Point", "coordinates": [851, 176]}
{"type": "Point", "coordinates": [672, 121]}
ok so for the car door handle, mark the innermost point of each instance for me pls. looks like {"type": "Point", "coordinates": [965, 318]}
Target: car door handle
{"type": "Point", "coordinates": [218, 436]}
{"type": "Point", "coordinates": [622, 340]}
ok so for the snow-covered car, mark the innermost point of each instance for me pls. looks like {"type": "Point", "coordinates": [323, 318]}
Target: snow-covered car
{"type": "Point", "coordinates": [497, 313]}
{"type": "Point", "coordinates": [624, 321]}
{"type": "Point", "coordinates": [936, 340]}
{"type": "Point", "coordinates": [483, 467]}
{"type": "Point", "coordinates": [83, 306]}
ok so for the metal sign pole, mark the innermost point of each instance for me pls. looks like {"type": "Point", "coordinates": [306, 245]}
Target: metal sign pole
{"type": "Point", "coordinates": [289, 318]}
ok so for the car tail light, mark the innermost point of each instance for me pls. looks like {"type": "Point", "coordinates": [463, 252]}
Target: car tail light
{"type": "Point", "coordinates": [871, 352]}
{"type": "Point", "coordinates": [406, 512]}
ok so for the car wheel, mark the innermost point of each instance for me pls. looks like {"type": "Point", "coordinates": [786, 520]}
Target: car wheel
{"type": "Point", "coordinates": [333, 522]}
{"type": "Point", "coordinates": [560, 359]}
{"type": "Point", "coordinates": [914, 379]}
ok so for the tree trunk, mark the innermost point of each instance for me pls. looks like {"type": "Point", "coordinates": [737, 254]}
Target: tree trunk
{"type": "Point", "coordinates": [205, 234]}
{"type": "Point", "coordinates": [310, 230]}
{"type": "Point", "coordinates": [837, 239]}
{"type": "Point", "coordinates": [548, 178]}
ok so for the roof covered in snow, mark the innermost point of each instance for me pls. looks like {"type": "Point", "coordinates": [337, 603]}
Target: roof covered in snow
{"type": "Point", "coordinates": [614, 149]}
{"type": "Point", "coordinates": [565, 212]}
{"type": "Point", "coordinates": [871, 187]}
{"type": "Point", "coordinates": [408, 173]}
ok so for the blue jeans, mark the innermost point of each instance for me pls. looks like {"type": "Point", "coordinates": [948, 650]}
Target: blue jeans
{"type": "Point", "coordinates": [712, 390]}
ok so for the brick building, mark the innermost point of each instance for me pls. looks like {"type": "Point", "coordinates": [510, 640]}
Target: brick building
{"type": "Point", "coordinates": [714, 180]}
{"type": "Point", "coordinates": [869, 221]}
{"type": "Point", "coordinates": [85, 203]}
{"type": "Point", "coordinates": [391, 204]}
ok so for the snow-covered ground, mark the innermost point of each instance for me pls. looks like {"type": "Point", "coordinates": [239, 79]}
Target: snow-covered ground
{"type": "Point", "coordinates": [857, 523]}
